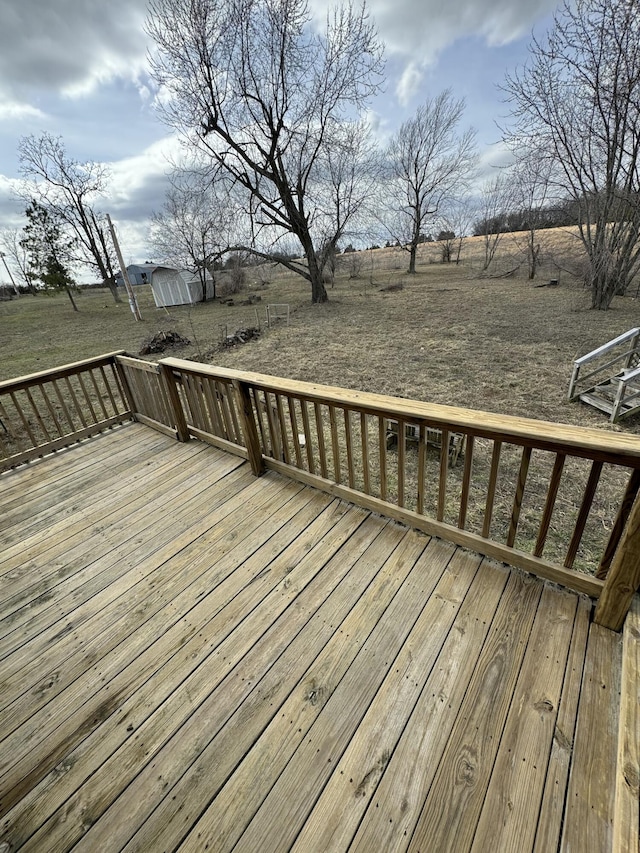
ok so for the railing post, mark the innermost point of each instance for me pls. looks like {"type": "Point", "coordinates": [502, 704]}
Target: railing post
{"type": "Point", "coordinates": [249, 427]}
{"type": "Point", "coordinates": [126, 388]}
{"type": "Point", "coordinates": [171, 385]}
{"type": "Point", "coordinates": [623, 578]}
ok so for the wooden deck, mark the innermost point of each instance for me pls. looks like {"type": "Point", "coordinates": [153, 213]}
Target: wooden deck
{"type": "Point", "coordinates": [192, 658]}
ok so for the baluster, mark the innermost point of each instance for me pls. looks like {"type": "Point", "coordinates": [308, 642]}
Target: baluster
{"type": "Point", "coordinates": [294, 431]}
{"type": "Point", "coordinates": [633, 486]}
{"type": "Point", "coordinates": [552, 494]}
{"type": "Point", "coordinates": [364, 433]}
{"type": "Point", "coordinates": [335, 451]}
{"type": "Point", "coordinates": [517, 501]}
{"type": "Point", "coordinates": [322, 453]}
{"type": "Point", "coordinates": [349, 443]}
{"type": "Point", "coordinates": [589, 493]}
{"type": "Point", "coordinates": [444, 470]}
{"type": "Point", "coordinates": [466, 482]}
{"type": "Point", "coordinates": [307, 436]}
{"type": "Point", "coordinates": [491, 488]}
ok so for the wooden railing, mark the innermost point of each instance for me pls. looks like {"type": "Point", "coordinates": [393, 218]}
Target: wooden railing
{"type": "Point", "coordinates": [541, 496]}
{"type": "Point", "coordinates": [46, 411]}
{"type": "Point", "coordinates": [552, 499]}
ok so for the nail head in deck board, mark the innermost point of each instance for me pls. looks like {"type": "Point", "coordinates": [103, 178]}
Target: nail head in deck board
{"type": "Point", "coordinates": [281, 815]}
{"type": "Point", "coordinates": [553, 800]}
{"type": "Point", "coordinates": [588, 823]}
{"type": "Point", "coordinates": [395, 807]}
{"type": "Point", "coordinates": [337, 813]}
{"type": "Point", "coordinates": [262, 726]}
{"type": "Point", "coordinates": [450, 814]}
{"type": "Point", "coordinates": [512, 802]}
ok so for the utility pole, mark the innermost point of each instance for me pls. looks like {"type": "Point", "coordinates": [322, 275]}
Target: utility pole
{"type": "Point", "coordinates": [133, 304]}
{"type": "Point", "coordinates": [9, 273]}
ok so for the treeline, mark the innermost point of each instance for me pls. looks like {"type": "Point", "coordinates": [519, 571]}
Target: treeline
{"type": "Point", "coordinates": [557, 215]}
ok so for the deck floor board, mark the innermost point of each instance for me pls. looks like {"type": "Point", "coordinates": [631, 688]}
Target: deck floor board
{"type": "Point", "coordinates": [191, 656]}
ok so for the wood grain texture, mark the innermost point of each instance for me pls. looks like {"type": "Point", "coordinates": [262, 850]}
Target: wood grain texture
{"type": "Point", "coordinates": [588, 823]}
{"type": "Point", "coordinates": [626, 819]}
{"type": "Point", "coordinates": [623, 578]}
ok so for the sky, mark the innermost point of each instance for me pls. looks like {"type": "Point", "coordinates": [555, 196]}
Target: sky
{"type": "Point", "coordinates": [78, 69]}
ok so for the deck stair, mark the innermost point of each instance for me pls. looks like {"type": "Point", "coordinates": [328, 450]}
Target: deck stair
{"type": "Point", "coordinates": [608, 378]}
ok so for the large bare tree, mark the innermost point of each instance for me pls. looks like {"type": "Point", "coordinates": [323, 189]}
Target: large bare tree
{"type": "Point", "coordinates": [578, 99]}
{"type": "Point", "coordinates": [255, 88]}
{"type": "Point", "coordinates": [69, 189]}
{"type": "Point", "coordinates": [431, 164]}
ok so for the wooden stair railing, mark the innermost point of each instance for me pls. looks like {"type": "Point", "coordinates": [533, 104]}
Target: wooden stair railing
{"type": "Point", "coordinates": [613, 384]}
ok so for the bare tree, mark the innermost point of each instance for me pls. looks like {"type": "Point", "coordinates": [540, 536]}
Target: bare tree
{"type": "Point", "coordinates": [578, 99]}
{"type": "Point", "coordinates": [530, 180]}
{"type": "Point", "coordinates": [457, 218]}
{"type": "Point", "coordinates": [12, 247]}
{"type": "Point", "coordinates": [430, 164]}
{"type": "Point", "coordinates": [194, 227]}
{"type": "Point", "coordinates": [494, 203]}
{"type": "Point", "coordinates": [69, 189]}
{"type": "Point", "coordinates": [249, 84]}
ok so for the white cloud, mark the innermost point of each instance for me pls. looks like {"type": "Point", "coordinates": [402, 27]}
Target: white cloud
{"type": "Point", "coordinates": [69, 46]}
{"type": "Point", "coordinates": [409, 83]}
{"type": "Point", "coordinates": [422, 29]}
{"type": "Point", "coordinates": [14, 111]}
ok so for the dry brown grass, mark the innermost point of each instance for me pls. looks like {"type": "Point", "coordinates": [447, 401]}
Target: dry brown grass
{"type": "Point", "coordinates": [448, 336]}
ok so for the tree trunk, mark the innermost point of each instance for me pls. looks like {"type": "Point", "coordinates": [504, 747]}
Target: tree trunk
{"type": "Point", "coordinates": [318, 290]}
{"type": "Point", "coordinates": [113, 287]}
{"type": "Point", "coordinates": [413, 251]}
{"type": "Point", "coordinates": [70, 295]}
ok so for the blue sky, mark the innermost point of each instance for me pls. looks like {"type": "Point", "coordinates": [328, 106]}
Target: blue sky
{"type": "Point", "coordinates": [77, 68]}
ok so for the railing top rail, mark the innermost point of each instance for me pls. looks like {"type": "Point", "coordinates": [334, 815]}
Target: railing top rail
{"type": "Point", "coordinates": [617, 448]}
{"type": "Point", "coordinates": [606, 347]}
{"type": "Point", "coordinates": [57, 372]}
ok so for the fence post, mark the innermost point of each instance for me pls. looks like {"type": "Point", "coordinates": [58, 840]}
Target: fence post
{"type": "Point", "coordinates": [171, 385]}
{"type": "Point", "coordinates": [623, 578]}
{"type": "Point", "coordinates": [249, 427]}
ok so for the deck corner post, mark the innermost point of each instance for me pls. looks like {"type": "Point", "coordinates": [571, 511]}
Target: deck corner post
{"type": "Point", "coordinates": [623, 578]}
{"type": "Point", "coordinates": [249, 427]}
{"type": "Point", "coordinates": [124, 382]}
{"type": "Point", "coordinates": [182, 430]}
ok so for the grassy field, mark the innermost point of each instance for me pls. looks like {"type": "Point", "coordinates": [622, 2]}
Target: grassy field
{"type": "Point", "coordinates": [449, 335]}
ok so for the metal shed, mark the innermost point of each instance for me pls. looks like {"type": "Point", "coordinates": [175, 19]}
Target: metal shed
{"type": "Point", "coordinates": [177, 287]}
